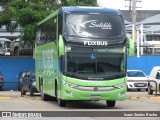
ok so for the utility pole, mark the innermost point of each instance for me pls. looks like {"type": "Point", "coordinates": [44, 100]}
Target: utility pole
{"type": "Point", "coordinates": [135, 33]}
{"type": "Point", "coordinates": [132, 6]}
{"type": "Point", "coordinates": [134, 20]}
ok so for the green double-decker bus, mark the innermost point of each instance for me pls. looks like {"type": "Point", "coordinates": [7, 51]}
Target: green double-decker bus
{"type": "Point", "coordinates": [81, 54]}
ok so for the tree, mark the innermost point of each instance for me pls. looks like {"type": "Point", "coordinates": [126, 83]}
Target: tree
{"type": "Point", "coordinates": [27, 13]}
{"type": "Point", "coordinates": [5, 15]}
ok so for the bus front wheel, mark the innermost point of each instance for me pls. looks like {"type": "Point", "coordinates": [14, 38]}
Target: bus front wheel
{"type": "Point", "coordinates": [110, 103]}
{"type": "Point", "coordinates": [61, 103]}
{"type": "Point", "coordinates": [44, 97]}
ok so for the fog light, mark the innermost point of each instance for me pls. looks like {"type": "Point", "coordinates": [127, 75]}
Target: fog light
{"type": "Point", "coordinates": [121, 94]}
{"type": "Point", "coordinates": [69, 93]}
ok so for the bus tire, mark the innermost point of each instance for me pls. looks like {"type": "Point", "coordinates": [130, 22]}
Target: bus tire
{"type": "Point", "coordinates": [44, 96]}
{"type": "Point", "coordinates": [150, 92]}
{"type": "Point", "coordinates": [54, 98]}
{"type": "Point", "coordinates": [61, 103]}
{"type": "Point", "coordinates": [110, 103]}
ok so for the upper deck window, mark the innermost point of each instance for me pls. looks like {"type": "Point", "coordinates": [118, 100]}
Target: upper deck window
{"type": "Point", "coordinates": [93, 25]}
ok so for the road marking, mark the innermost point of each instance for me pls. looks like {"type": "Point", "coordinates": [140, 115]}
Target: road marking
{"type": "Point", "coordinates": [31, 98]}
{"type": "Point", "coordinates": [137, 98]}
{"type": "Point", "coordinates": [155, 98]}
{"type": "Point", "coordinates": [5, 98]}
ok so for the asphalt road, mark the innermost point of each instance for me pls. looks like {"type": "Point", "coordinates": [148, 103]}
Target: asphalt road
{"type": "Point", "coordinates": [136, 102]}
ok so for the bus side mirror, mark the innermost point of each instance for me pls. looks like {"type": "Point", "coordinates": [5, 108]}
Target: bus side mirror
{"type": "Point", "coordinates": [131, 46]}
{"type": "Point", "coordinates": [61, 45]}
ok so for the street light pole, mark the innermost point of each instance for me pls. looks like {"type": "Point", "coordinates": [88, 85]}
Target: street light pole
{"type": "Point", "coordinates": [134, 20]}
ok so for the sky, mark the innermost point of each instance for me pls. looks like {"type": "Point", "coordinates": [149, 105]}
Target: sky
{"type": "Point", "coordinates": [120, 4]}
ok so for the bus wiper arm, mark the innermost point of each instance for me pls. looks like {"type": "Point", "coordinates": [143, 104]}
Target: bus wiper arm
{"type": "Point", "coordinates": [120, 75]}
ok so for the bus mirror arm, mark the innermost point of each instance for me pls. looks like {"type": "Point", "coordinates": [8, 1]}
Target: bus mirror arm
{"type": "Point", "coordinates": [131, 46]}
{"type": "Point", "coordinates": [61, 45]}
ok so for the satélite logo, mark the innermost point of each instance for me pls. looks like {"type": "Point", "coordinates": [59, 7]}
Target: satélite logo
{"type": "Point", "coordinates": [96, 43]}
{"type": "Point", "coordinates": [96, 24]}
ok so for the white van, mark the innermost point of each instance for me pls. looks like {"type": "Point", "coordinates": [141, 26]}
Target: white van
{"type": "Point", "coordinates": [4, 46]}
{"type": "Point", "coordinates": [19, 48]}
{"type": "Point", "coordinates": [153, 42]}
{"type": "Point", "coordinates": [154, 79]}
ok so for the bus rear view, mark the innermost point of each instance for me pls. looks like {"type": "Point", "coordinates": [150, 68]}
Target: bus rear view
{"type": "Point", "coordinates": [91, 55]}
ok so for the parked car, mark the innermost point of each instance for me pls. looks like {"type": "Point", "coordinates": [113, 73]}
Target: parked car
{"type": "Point", "coordinates": [29, 84]}
{"type": "Point", "coordinates": [1, 81]}
{"type": "Point", "coordinates": [137, 80]}
{"type": "Point", "coordinates": [20, 77]}
{"type": "Point", "coordinates": [154, 79]}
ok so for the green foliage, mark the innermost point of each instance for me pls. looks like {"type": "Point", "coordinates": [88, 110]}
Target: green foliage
{"type": "Point", "coordinates": [27, 13]}
{"type": "Point", "coordinates": [5, 16]}
{"type": "Point", "coordinates": [82, 2]}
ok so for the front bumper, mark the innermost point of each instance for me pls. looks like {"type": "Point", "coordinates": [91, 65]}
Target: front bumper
{"type": "Point", "coordinates": [68, 93]}
{"type": "Point", "coordinates": [137, 85]}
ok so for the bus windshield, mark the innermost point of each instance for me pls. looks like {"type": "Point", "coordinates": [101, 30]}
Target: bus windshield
{"type": "Point", "coordinates": [94, 63]}
{"type": "Point", "coordinates": [87, 25]}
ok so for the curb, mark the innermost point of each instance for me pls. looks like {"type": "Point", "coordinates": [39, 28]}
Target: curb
{"type": "Point", "coordinates": [155, 98]}
{"type": "Point", "coordinates": [5, 98]}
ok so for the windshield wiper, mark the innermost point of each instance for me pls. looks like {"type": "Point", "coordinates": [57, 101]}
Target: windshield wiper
{"type": "Point", "coordinates": [74, 73]}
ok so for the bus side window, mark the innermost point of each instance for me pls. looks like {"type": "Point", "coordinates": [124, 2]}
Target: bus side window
{"type": "Point", "coordinates": [47, 31]}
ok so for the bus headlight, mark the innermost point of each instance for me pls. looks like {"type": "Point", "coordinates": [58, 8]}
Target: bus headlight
{"type": "Point", "coordinates": [120, 85]}
{"type": "Point", "coordinates": [68, 84]}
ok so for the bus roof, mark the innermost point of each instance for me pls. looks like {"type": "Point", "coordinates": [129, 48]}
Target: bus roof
{"type": "Point", "coordinates": [81, 9]}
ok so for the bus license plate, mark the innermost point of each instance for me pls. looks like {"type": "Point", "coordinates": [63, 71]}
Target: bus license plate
{"type": "Point", "coordinates": [95, 96]}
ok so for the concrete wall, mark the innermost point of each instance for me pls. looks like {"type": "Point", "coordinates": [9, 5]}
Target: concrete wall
{"type": "Point", "coordinates": [145, 63]}
{"type": "Point", "coordinates": [11, 67]}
